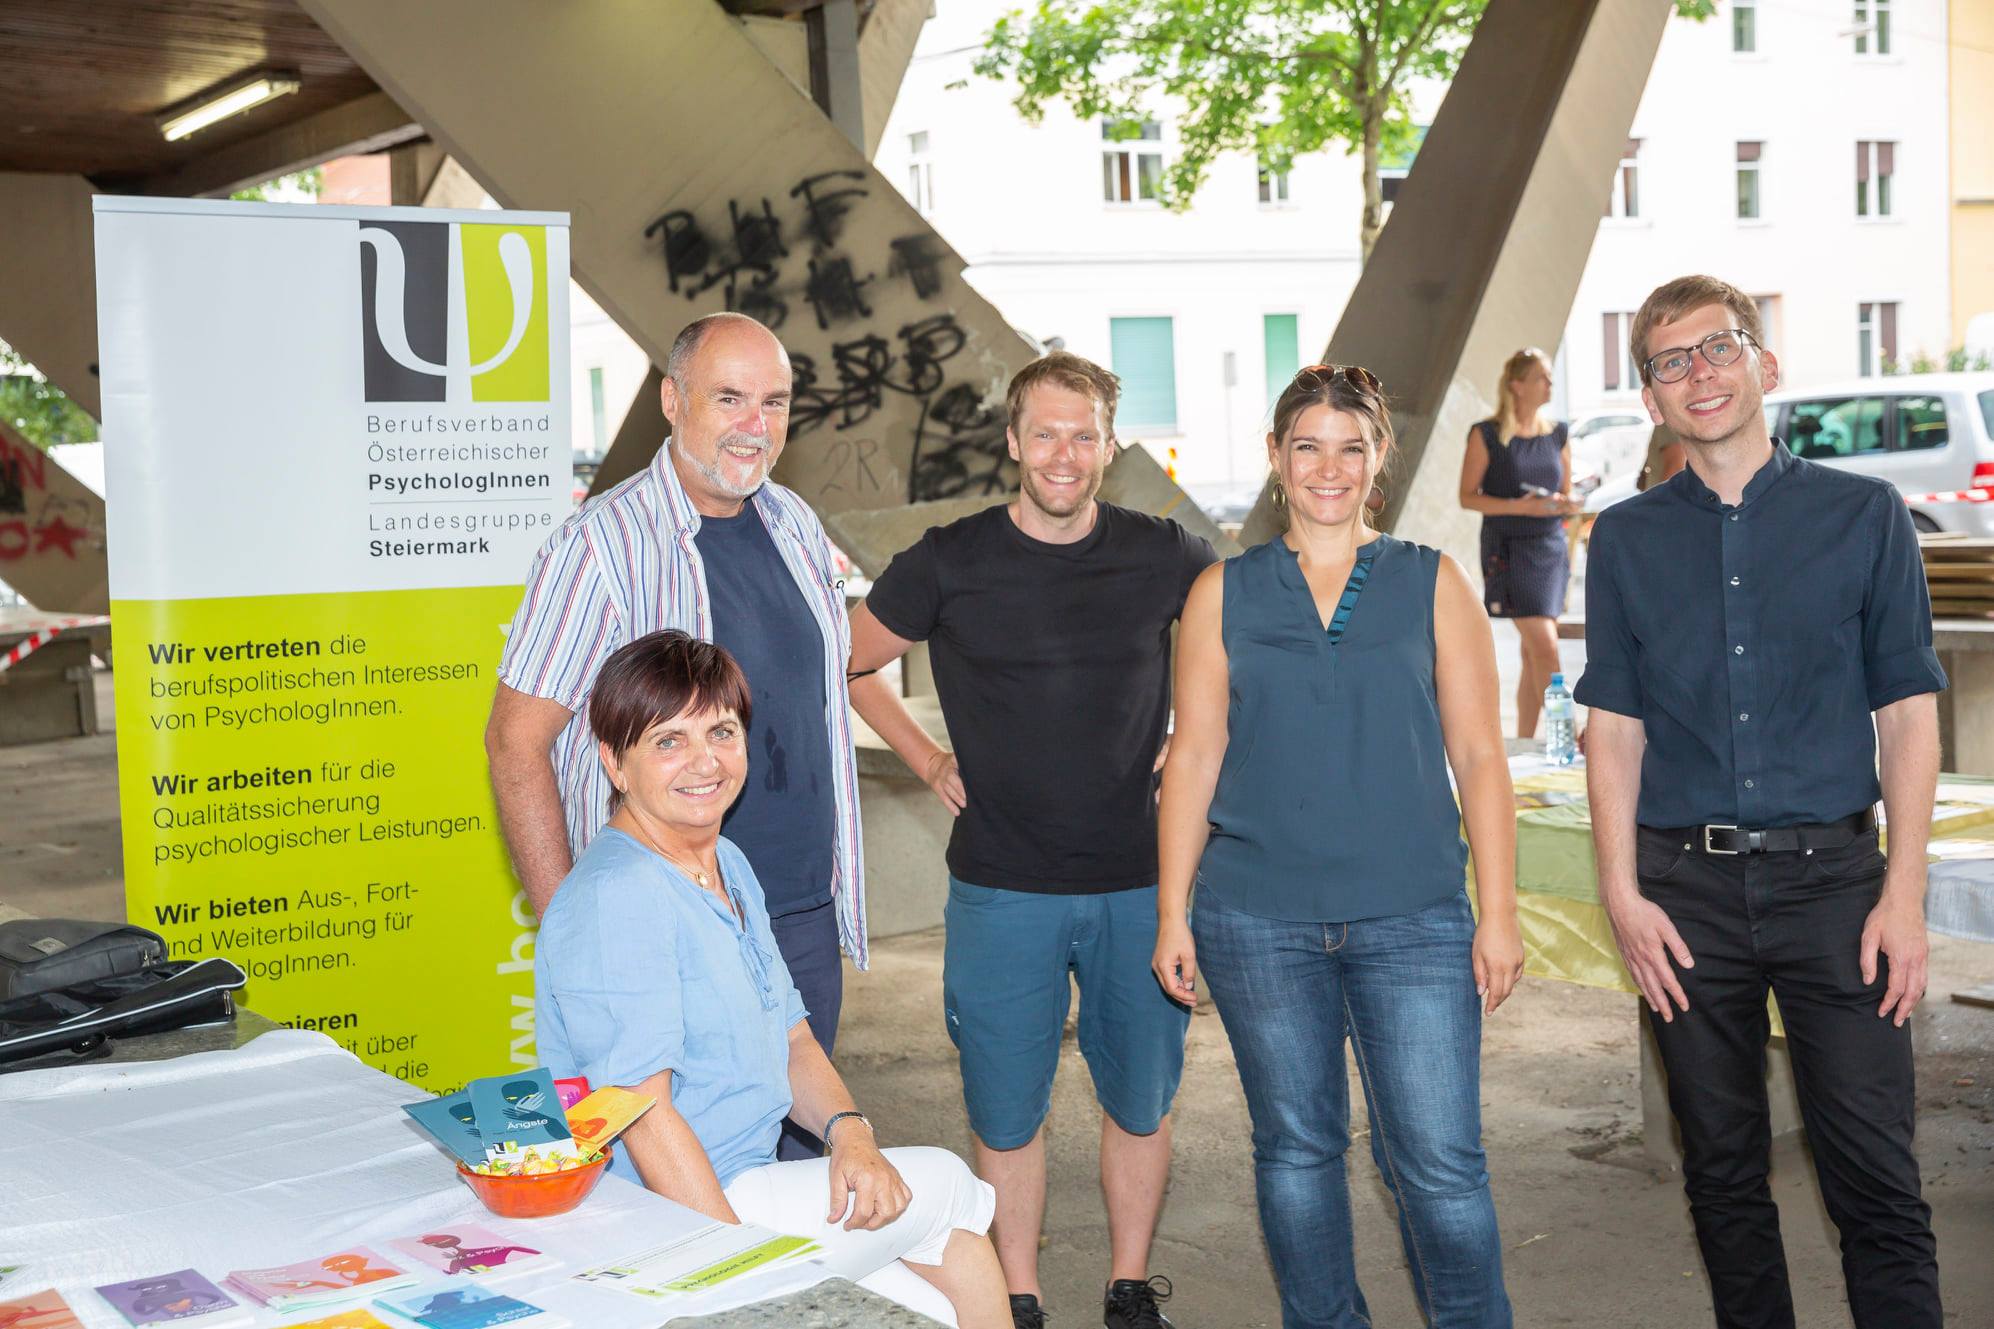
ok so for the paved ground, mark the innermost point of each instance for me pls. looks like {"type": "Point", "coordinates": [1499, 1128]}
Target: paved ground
{"type": "Point", "coordinates": [1592, 1237]}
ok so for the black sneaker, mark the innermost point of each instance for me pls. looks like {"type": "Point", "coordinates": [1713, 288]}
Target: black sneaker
{"type": "Point", "coordinates": [1026, 1313]}
{"type": "Point", "coordinates": [1131, 1304]}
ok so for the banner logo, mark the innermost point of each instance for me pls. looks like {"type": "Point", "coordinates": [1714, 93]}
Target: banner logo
{"type": "Point", "coordinates": [454, 313]}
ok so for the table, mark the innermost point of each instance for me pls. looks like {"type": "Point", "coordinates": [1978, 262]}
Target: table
{"type": "Point", "coordinates": [287, 1148]}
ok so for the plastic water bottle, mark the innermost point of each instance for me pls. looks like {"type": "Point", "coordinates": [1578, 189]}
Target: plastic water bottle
{"type": "Point", "coordinates": [1561, 744]}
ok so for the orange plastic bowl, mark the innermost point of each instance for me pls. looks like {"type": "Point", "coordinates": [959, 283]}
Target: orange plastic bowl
{"type": "Point", "coordinates": [538, 1196]}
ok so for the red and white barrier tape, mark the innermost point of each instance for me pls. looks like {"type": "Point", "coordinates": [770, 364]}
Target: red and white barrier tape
{"type": "Point", "coordinates": [44, 636]}
{"type": "Point", "coordinates": [1953, 496]}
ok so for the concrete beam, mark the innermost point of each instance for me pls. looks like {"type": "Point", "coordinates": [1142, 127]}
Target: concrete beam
{"type": "Point", "coordinates": [886, 47]}
{"type": "Point", "coordinates": [48, 285]}
{"type": "Point", "coordinates": [769, 209]}
{"type": "Point", "coordinates": [372, 123]}
{"type": "Point", "coordinates": [51, 532]}
{"type": "Point", "coordinates": [835, 84]}
{"type": "Point", "coordinates": [412, 171]}
{"type": "Point", "coordinates": [1490, 236]}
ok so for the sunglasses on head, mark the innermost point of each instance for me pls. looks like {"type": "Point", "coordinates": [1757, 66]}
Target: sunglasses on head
{"type": "Point", "coordinates": [1356, 375]}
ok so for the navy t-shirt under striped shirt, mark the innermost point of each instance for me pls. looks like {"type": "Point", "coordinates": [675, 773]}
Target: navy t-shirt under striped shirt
{"type": "Point", "coordinates": [785, 818]}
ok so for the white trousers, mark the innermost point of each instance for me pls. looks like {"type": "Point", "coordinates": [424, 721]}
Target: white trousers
{"type": "Point", "coordinates": [792, 1198]}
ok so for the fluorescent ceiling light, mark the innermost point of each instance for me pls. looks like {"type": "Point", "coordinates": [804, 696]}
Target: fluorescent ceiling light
{"type": "Point", "coordinates": [222, 102]}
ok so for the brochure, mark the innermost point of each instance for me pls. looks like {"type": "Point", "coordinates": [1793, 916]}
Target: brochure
{"type": "Point", "coordinates": [183, 1297]}
{"type": "Point", "coordinates": [572, 1090]}
{"type": "Point", "coordinates": [354, 1319]}
{"type": "Point", "coordinates": [603, 1115]}
{"type": "Point", "coordinates": [10, 1273]}
{"type": "Point", "coordinates": [702, 1261]}
{"type": "Point", "coordinates": [465, 1248]}
{"type": "Point", "coordinates": [41, 1310]}
{"type": "Point", "coordinates": [516, 1116]}
{"type": "Point", "coordinates": [468, 1306]}
{"type": "Point", "coordinates": [348, 1275]}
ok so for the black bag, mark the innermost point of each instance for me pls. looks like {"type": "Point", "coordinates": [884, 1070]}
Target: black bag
{"type": "Point", "coordinates": [48, 954]}
{"type": "Point", "coordinates": [78, 1020]}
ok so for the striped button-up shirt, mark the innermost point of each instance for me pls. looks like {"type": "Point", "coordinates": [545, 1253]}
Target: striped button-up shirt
{"type": "Point", "coordinates": [626, 565]}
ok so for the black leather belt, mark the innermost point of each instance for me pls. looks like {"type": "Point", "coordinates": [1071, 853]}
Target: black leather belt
{"type": "Point", "coordinates": [1715, 839]}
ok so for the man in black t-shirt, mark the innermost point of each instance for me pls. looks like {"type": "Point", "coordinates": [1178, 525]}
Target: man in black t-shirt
{"type": "Point", "coordinates": [1048, 622]}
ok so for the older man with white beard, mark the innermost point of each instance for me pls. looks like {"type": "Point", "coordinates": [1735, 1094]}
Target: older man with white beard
{"type": "Point", "coordinates": [702, 541]}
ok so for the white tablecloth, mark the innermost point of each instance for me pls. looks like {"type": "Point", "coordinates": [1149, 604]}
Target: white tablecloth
{"type": "Point", "coordinates": [278, 1151]}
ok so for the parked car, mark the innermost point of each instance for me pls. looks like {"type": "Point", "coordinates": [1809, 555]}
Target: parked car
{"type": "Point", "coordinates": [1931, 435]}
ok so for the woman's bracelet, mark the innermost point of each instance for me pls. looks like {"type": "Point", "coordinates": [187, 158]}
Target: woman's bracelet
{"type": "Point", "coordinates": [837, 1117]}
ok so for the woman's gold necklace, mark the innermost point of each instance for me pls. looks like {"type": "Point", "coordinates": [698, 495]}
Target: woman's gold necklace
{"type": "Point", "coordinates": [695, 871]}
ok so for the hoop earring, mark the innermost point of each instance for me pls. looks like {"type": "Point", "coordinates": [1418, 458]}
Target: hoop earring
{"type": "Point", "coordinates": [1280, 495]}
{"type": "Point", "coordinates": [1374, 502]}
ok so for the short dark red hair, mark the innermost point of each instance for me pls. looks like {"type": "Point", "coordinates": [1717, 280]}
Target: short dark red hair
{"type": "Point", "coordinates": [659, 676]}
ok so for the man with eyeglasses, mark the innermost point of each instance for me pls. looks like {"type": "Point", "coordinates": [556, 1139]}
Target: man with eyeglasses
{"type": "Point", "coordinates": [1759, 650]}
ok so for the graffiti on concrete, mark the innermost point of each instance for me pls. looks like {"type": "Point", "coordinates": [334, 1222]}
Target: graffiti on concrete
{"type": "Point", "coordinates": [33, 520]}
{"type": "Point", "coordinates": [958, 444]}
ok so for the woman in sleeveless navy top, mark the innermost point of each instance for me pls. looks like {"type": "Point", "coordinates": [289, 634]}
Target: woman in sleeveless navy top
{"type": "Point", "coordinates": [1326, 683]}
{"type": "Point", "coordinates": [1517, 472]}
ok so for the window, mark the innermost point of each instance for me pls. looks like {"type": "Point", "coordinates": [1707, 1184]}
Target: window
{"type": "Point", "coordinates": [920, 174]}
{"type": "Point", "coordinates": [1748, 180]}
{"type": "Point", "coordinates": [1835, 427]}
{"type": "Point", "coordinates": [1273, 185]}
{"type": "Point", "coordinates": [1876, 338]}
{"type": "Point", "coordinates": [1917, 423]}
{"type": "Point", "coordinates": [1744, 26]}
{"type": "Point", "coordinates": [595, 405]}
{"type": "Point", "coordinates": [1144, 355]}
{"type": "Point", "coordinates": [1131, 167]}
{"type": "Point", "coordinates": [1872, 27]}
{"type": "Point", "coordinates": [1622, 369]}
{"type": "Point", "coordinates": [1394, 167]}
{"type": "Point", "coordinates": [1280, 335]}
{"type": "Point", "coordinates": [1625, 200]}
{"type": "Point", "coordinates": [1876, 163]}
{"type": "Point", "coordinates": [1768, 318]}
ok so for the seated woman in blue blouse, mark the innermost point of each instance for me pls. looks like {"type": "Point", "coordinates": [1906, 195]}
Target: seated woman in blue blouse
{"type": "Point", "coordinates": [656, 971]}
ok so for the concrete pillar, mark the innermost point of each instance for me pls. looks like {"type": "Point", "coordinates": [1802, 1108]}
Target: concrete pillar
{"type": "Point", "coordinates": [1489, 236]}
{"type": "Point", "coordinates": [48, 285]}
{"type": "Point", "coordinates": [835, 84]}
{"type": "Point", "coordinates": [768, 209]}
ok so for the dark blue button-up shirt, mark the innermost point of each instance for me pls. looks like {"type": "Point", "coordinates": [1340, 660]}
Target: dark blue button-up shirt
{"type": "Point", "coordinates": [1753, 641]}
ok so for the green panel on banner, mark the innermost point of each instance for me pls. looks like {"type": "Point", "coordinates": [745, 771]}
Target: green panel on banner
{"type": "Point", "coordinates": [505, 292]}
{"type": "Point", "coordinates": [302, 785]}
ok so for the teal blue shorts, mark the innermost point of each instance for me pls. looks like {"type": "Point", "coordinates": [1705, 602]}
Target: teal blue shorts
{"type": "Point", "coordinates": [1005, 992]}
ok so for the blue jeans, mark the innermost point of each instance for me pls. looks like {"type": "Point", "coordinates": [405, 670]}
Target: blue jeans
{"type": "Point", "coordinates": [1402, 990]}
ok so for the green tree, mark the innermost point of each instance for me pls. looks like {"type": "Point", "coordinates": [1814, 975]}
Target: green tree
{"type": "Point", "coordinates": [1277, 78]}
{"type": "Point", "coordinates": [38, 410]}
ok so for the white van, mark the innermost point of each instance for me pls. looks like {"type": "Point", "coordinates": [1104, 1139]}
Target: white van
{"type": "Point", "coordinates": [1931, 435]}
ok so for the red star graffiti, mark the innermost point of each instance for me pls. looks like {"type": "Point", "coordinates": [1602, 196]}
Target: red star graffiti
{"type": "Point", "coordinates": [57, 533]}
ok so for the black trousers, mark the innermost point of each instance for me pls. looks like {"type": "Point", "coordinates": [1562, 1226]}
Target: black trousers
{"type": "Point", "coordinates": [1791, 923]}
{"type": "Point", "coordinates": [809, 945]}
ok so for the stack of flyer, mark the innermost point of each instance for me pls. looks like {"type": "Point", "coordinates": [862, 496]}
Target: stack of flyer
{"type": "Point", "coordinates": [183, 1298]}
{"type": "Point", "coordinates": [353, 1274]}
{"type": "Point", "coordinates": [466, 1248]}
{"type": "Point", "coordinates": [706, 1261]}
{"type": "Point", "coordinates": [516, 1119]}
{"type": "Point", "coordinates": [468, 1306]}
{"type": "Point", "coordinates": [40, 1310]}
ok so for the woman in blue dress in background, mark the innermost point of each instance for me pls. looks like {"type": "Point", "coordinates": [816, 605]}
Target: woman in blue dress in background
{"type": "Point", "coordinates": [1517, 472]}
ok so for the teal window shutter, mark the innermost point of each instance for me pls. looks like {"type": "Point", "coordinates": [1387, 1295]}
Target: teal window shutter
{"type": "Point", "coordinates": [1284, 352]}
{"type": "Point", "coordinates": [1145, 356]}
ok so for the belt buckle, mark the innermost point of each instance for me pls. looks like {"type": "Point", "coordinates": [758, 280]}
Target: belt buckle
{"type": "Point", "coordinates": [1709, 848]}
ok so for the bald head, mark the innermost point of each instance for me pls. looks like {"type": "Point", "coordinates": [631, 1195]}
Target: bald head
{"type": "Point", "coordinates": [738, 330]}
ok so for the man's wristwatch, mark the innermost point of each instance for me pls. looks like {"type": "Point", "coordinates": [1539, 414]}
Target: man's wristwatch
{"type": "Point", "coordinates": [837, 1117]}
